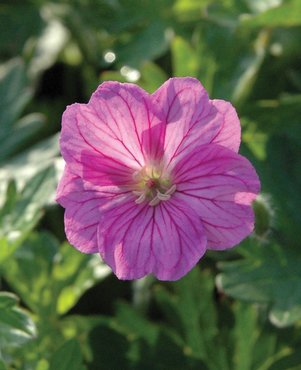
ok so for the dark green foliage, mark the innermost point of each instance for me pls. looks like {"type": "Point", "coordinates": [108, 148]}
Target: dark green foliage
{"type": "Point", "coordinates": [237, 310]}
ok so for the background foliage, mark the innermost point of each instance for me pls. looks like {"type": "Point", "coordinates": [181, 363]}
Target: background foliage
{"type": "Point", "coordinates": [59, 309]}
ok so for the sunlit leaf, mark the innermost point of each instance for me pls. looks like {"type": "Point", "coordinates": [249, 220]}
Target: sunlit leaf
{"type": "Point", "coordinates": [287, 14]}
{"type": "Point", "coordinates": [16, 326]}
{"type": "Point", "coordinates": [184, 58]}
{"type": "Point", "coordinates": [74, 274]}
{"type": "Point", "coordinates": [51, 278]}
{"type": "Point", "coordinates": [22, 210]}
{"type": "Point", "coordinates": [152, 77]}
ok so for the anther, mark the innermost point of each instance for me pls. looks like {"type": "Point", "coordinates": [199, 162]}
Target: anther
{"type": "Point", "coordinates": [162, 196]}
{"type": "Point", "coordinates": [171, 190]}
{"type": "Point", "coordinates": [141, 199]}
{"type": "Point", "coordinates": [154, 201]}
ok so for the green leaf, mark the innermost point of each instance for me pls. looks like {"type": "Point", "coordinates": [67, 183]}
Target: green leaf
{"type": "Point", "coordinates": [16, 326]}
{"type": "Point", "coordinates": [109, 348]}
{"type": "Point", "coordinates": [146, 45]}
{"type": "Point", "coordinates": [74, 274]}
{"type": "Point", "coordinates": [21, 134]}
{"type": "Point", "coordinates": [192, 314]}
{"type": "Point", "coordinates": [19, 22]}
{"type": "Point", "coordinates": [22, 210]}
{"type": "Point", "coordinates": [286, 15]}
{"type": "Point", "coordinates": [245, 332]}
{"type": "Point", "coordinates": [184, 58]}
{"type": "Point", "coordinates": [269, 275]}
{"type": "Point", "coordinates": [29, 272]}
{"type": "Point", "coordinates": [51, 278]}
{"type": "Point", "coordinates": [67, 357]}
{"type": "Point", "coordinates": [251, 65]}
{"type": "Point", "coordinates": [14, 94]}
{"type": "Point", "coordinates": [2, 365]}
{"type": "Point", "coordinates": [189, 10]}
{"type": "Point", "coordinates": [152, 77]}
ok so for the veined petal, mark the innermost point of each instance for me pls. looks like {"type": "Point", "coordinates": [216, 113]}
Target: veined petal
{"type": "Point", "coordinates": [133, 119]}
{"type": "Point", "coordinates": [84, 206]}
{"type": "Point", "coordinates": [220, 186]}
{"type": "Point", "coordinates": [192, 119]}
{"type": "Point", "coordinates": [136, 240]}
{"type": "Point", "coordinates": [100, 161]}
{"type": "Point", "coordinates": [229, 134]}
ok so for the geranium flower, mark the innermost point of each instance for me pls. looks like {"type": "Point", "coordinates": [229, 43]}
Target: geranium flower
{"type": "Point", "coordinates": [152, 181]}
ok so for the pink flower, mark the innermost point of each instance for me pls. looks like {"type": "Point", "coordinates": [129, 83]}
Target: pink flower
{"type": "Point", "coordinates": [152, 181]}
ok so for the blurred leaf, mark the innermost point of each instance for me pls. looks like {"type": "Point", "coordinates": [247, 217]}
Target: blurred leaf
{"type": "Point", "coordinates": [109, 349]}
{"type": "Point", "coordinates": [14, 94]}
{"type": "Point", "coordinates": [16, 326]}
{"type": "Point", "coordinates": [245, 336]}
{"type": "Point", "coordinates": [282, 176]}
{"type": "Point", "coordinates": [129, 341]}
{"type": "Point", "coordinates": [23, 166]}
{"type": "Point", "coordinates": [22, 210]}
{"type": "Point", "coordinates": [68, 357]}
{"type": "Point", "coordinates": [29, 272]}
{"type": "Point", "coordinates": [112, 76]}
{"type": "Point", "coordinates": [152, 77]}
{"type": "Point", "coordinates": [251, 65]}
{"type": "Point", "coordinates": [270, 115]}
{"type": "Point", "coordinates": [254, 138]}
{"type": "Point", "coordinates": [2, 365]}
{"type": "Point", "coordinates": [21, 134]}
{"type": "Point", "coordinates": [18, 23]}
{"type": "Point", "coordinates": [50, 278]}
{"type": "Point", "coordinates": [48, 46]}
{"type": "Point", "coordinates": [189, 10]}
{"type": "Point", "coordinates": [191, 312]}
{"type": "Point", "coordinates": [74, 274]}
{"type": "Point", "coordinates": [184, 58]}
{"type": "Point", "coordinates": [286, 15]}
{"type": "Point", "coordinates": [269, 275]}
{"type": "Point", "coordinates": [144, 46]}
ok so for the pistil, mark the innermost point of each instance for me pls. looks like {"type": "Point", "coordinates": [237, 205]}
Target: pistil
{"type": "Point", "coordinates": [152, 186]}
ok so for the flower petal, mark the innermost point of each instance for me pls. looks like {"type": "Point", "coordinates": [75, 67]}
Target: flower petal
{"type": "Point", "coordinates": [132, 117]}
{"type": "Point", "coordinates": [84, 206]}
{"type": "Point", "coordinates": [88, 158]}
{"type": "Point", "coordinates": [192, 119]}
{"type": "Point", "coordinates": [220, 186]}
{"type": "Point", "coordinates": [113, 135]}
{"type": "Point", "coordinates": [166, 240]}
{"type": "Point", "coordinates": [229, 134]}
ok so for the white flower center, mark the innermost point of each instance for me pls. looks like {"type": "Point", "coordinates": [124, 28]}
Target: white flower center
{"type": "Point", "coordinates": [152, 186]}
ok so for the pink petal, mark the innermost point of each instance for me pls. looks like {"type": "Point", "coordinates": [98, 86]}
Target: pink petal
{"type": "Point", "coordinates": [192, 119]}
{"type": "Point", "coordinates": [113, 135]}
{"type": "Point", "coordinates": [220, 186]}
{"type": "Point", "coordinates": [166, 240]}
{"type": "Point", "coordinates": [230, 130]}
{"type": "Point", "coordinates": [134, 120]}
{"type": "Point", "coordinates": [90, 158]}
{"type": "Point", "coordinates": [84, 207]}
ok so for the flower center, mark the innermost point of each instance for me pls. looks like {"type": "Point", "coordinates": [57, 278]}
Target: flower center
{"type": "Point", "coordinates": [152, 186]}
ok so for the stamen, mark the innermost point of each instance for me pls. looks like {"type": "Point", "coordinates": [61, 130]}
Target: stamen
{"type": "Point", "coordinates": [141, 199]}
{"type": "Point", "coordinates": [138, 192]}
{"type": "Point", "coordinates": [154, 201]}
{"type": "Point", "coordinates": [162, 196]}
{"type": "Point", "coordinates": [171, 190]}
{"type": "Point", "coordinates": [154, 188]}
